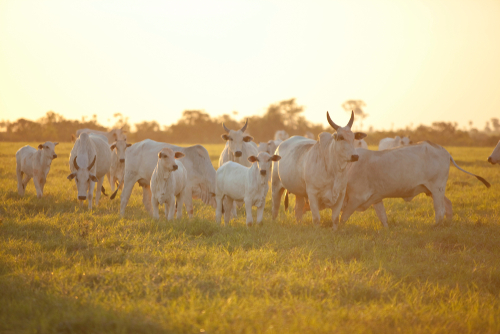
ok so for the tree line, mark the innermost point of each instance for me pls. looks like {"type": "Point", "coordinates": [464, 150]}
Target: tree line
{"type": "Point", "coordinates": [198, 127]}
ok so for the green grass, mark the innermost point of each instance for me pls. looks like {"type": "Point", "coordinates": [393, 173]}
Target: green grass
{"type": "Point", "coordinates": [66, 270]}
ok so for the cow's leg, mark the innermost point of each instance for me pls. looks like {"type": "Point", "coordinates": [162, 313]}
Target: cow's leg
{"type": "Point", "coordinates": [228, 203]}
{"type": "Point", "coordinates": [299, 207]}
{"type": "Point", "coordinates": [111, 179]}
{"type": "Point", "coordinates": [439, 205]}
{"type": "Point", "coordinates": [276, 195]}
{"type": "Point", "coordinates": [348, 210]}
{"type": "Point", "coordinates": [99, 187]}
{"type": "Point", "coordinates": [313, 203]}
{"type": "Point", "coordinates": [380, 211]}
{"type": "Point", "coordinates": [234, 211]}
{"type": "Point", "coordinates": [248, 209]}
{"type": "Point", "coordinates": [260, 214]}
{"type": "Point", "coordinates": [218, 210]}
{"type": "Point", "coordinates": [90, 193]}
{"type": "Point", "coordinates": [146, 198]}
{"type": "Point", "coordinates": [20, 185]}
{"type": "Point", "coordinates": [178, 205]}
{"type": "Point", "coordinates": [187, 198]}
{"type": "Point", "coordinates": [26, 179]}
{"type": "Point", "coordinates": [336, 210]}
{"type": "Point", "coordinates": [156, 210]}
{"type": "Point", "coordinates": [171, 207]}
{"type": "Point", "coordinates": [38, 186]}
{"type": "Point", "coordinates": [130, 180]}
{"type": "Point", "coordinates": [448, 208]}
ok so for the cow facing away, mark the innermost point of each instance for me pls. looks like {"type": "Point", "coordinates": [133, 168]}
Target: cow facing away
{"type": "Point", "coordinates": [112, 136]}
{"type": "Point", "coordinates": [402, 172]}
{"type": "Point", "coordinates": [168, 183]}
{"type": "Point", "coordinates": [315, 170]}
{"type": "Point", "coordinates": [89, 162]}
{"type": "Point", "coordinates": [33, 163]}
{"type": "Point", "coordinates": [141, 160]}
{"type": "Point", "coordinates": [494, 158]}
{"type": "Point", "coordinates": [388, 143]}
{"type": "Point", "coordinates": [117, 169]}
{"type": "Point", "coordinates": [239, 183]}
{"type": "Point", "coordinates": [238, 147]}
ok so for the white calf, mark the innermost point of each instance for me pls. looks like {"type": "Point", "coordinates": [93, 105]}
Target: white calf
{"type": "Point", "coordinates": [32, 163]}
{"type": "Point", "coordinates": [168, 182]}
{"type": "Point", "coordinates": [235, 182]}
{"type": "Point", "coordinates": [117, 170]}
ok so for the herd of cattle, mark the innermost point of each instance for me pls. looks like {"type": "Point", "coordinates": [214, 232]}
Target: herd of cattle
{"type": "Point", "coordinates": [337, 172]}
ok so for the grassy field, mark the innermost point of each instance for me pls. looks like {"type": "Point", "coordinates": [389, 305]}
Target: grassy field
{"type": "Point", "coordinates": [64, 269]}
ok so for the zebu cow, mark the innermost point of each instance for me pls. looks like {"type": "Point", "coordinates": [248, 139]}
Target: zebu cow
{"type": "Point", "coordinates": [269, 148]}
{"type": "Point", "coordinates": [141, 159]}
{"type": "Point", "coordinates": [32, 163]}
{"type": "Point", "coordinates": [113, 135]}
{"type": "Point", "coordinates": [388, 143]}
{"type": "Point", "coordinates": [89, 162]}
{"type": "Point", "coordinates": [360, 144]}
{"type": "Point", "coordinates": [238, 147]}
{"type": "Point", "coordinates": [117, 169]}
{"type": "Point", "coordinates": [248, 184]}
{"type": "Point", "coordinates": [494, 158]}
{"type": "Point", "coordinates": [315, 170]}
{"type": "Point", "coordinates": [402, 172]}
{"type": "Point", "coordinates": [281, 135]}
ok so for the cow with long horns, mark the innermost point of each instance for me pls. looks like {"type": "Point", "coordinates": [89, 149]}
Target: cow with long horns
{"type": "Point", "coordinates": [238, 147]}
{"type": "Point", "coordinates": [315, 170]}
{"type": "Point", "coordinates": [89, 161]}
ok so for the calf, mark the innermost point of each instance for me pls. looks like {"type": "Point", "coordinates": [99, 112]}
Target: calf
{"type": "Point", "coordinates": [235, 182]}
{"type": "Point", "coordinates": [168, 182]}
{"type": "Point", "coordinates": [32, 163]}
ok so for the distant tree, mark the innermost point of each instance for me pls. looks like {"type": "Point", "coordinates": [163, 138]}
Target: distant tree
{"type": "Point", "coordinates": [495, 124]}
{"type": "Point", "coordinates": [357, 107]}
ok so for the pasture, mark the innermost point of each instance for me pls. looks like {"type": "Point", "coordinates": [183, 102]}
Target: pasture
{"type": "Point", "coordinates": [64, 269]}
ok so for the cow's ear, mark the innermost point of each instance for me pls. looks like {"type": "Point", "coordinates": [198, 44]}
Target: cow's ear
{"type": "Point", "coordinates": [40, 146]}
{"type": "Point", "coordinates": [113, 146]}
{"type": "Point", "coordinates": [71, 176]}
{"type": "Point", "coordinates": [93, 178]}
{"type": "Point", "coordinates": [246, 139]}
{"type": "Point", "coordinates": [252, 159]}
{"type": "Point", "coordinates": [225, 137]}
{"type": "Point", "coordinates": [275, 157]}
{"type": "Point", "coordinates": [359, 135]}
{"type": "Point", "coordinates": [128, 145]}
{"type": "Point", "coordinates": [179, 155]}
{"type": "Point", "coordinates": [335, 136]}
{"type": "Point", "coordinates": [159, 155]}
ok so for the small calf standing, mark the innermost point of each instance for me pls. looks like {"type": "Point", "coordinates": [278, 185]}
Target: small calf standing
{"type": "Point", "coordinates": [239, 183]}
{"type": "Point", "coordinates": [32, 163]}
{"type": "Point", "coordinates": [168, 182]}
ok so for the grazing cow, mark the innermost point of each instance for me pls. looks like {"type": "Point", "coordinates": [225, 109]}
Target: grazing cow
{"type": "Point", "coordinates": [89, 162]}
{"type": "Point", "coordinates": [168, 182]}
{"type": "Point", "coordinates": [117, 170]}
{"type": "Point", "coordinates": [239, 183]}
{"type": "Point", "coordinates": [238, 146]}
{"type": "Point", "coordinates": [388, 143]}
{"type": "Point", "coordinates": [141, 159]}
{"type": "Point", "coordinates": [32, 163]}
{"type": "Point", "coordinates": [360, 143]}
{"type": "Point", "coordinates": [112, 136]}
{"type": "Point", "coordinates": [316, 170]}
{"type": "Point", "coordinates": [403, 172]}
{"type": "Point", "coordinates": [281, 135]}
{"type": "Point", "coordinates": [494, 158]}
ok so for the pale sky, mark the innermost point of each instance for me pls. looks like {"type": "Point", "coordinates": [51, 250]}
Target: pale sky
{"type": "Point", "coordinates": [412, 62]}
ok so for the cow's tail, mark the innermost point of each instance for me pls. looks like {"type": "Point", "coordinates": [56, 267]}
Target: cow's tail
{"type": "Point", "coordinates": [103, 191]}
{"type": "Point", "coordinates": [223, 203]}
{"type": "Point", "coordinates": [486, 183]}
{"type": "Point", "coordinates": [286, 200]}
{"type": "Point", "coordinates": [113, 195]}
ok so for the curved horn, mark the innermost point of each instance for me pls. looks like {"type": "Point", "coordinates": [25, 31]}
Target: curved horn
{"type": "Point", "coordinates": [225, 128]}
{"type": "Point", "coordinates": [332, 123]}
{"type": "Point", "coordinates": [351, 120]}
{"type": "Point", "coordinates": [75, 164]}
{"type": "Point", "coordinates": [243, 129]}
{"type": "Point", "coordinates": [92, 164]}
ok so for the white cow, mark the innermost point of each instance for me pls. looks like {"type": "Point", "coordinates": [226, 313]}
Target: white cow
{"type": "Point", "coordinates": [32, 163]}
{"type": "Point", "coordinates": [117, 169]}
{"type": "Point", "coordinates": [112, 136]}
{"type": "Point", "coordinates": [403, 172]}
{"type": "Point", "coordinates": [168, 182]}
{"type": "Point", "coordinates": [315, 170]}
{"type": "Point", "coordinates": [238, 146]}
{"type": "Point", "coordinates": [388, 143]}
{"type": "Point", "coordinates": [309, 135]}
{"type": "Point", "coordinates": [360, 143]}
{"type": "Point", "coordinates": [494, 158]}
{"type": "Point", "coordinates": [239, 183]}
{"type": "Point", "coordinates": [281, 135]}
{"type": "Point", "coordinates": [270, 148]}
{"type": "Point", "coordinates": [89, 162]}
{"type": "Point", "coordinates": [141, 159]}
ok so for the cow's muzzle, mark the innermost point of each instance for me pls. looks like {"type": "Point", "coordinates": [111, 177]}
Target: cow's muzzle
{"type": "Point", "coordinates": [122, 160]}
{"type": "Point", "coordinates": [54, 156]}
{"type": "Point", "coordinates": [354, 158]}
{"type": "Point", "coordinates": [237, 154]}
{"type": "Point", "coordinates": [490, 160]}
{"type": "Point", "coordinates": [175, 167]}
{"type": "Point", "coordinates": [263, 172]}
{"type": "Point", "coordinates": [82, 198]}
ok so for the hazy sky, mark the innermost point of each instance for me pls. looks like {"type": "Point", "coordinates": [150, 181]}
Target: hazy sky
{"type": "Point", "coordinates": [410, 61]}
